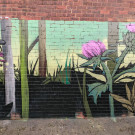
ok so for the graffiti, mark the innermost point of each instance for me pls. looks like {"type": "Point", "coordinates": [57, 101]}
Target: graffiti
{"type": "Point", "coordinates": [44, 74]}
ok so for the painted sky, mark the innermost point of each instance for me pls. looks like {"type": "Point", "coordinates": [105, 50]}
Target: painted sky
{"type": "Point", "coordinates": [64, 36]}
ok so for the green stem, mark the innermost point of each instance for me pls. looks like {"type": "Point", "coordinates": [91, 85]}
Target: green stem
{"type": "Point", "coordinates": [66, 70]}
{"type": "Point", "coordinates": [121, 58]}
{"type": "Point", "coordinates": [109, 82]}
{"type": "Point", "coordinates": [85, 101]}
{"type": "Point", "coordinates": [23, 69]}
{"type": "Point", "coordinates": [78, 83]}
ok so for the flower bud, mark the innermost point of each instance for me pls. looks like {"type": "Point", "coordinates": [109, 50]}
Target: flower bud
{"type": "Point", "coordinates": [93, 48]}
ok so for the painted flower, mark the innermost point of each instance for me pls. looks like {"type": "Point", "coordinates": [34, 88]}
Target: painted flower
{"type": "Point", "coordinates": [129, 37]}
{"type": "Point", "coordinates": [1, 60]}
{"type": "Point", "coordinates": [93, 48]}
{"type": "Point", "coordinates": [131, 27]}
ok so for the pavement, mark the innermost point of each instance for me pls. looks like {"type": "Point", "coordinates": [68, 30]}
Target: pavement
{"type": "Point", "coordinates": [66, 126]}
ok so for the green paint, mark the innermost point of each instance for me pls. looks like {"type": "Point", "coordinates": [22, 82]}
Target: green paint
{"type": "Point", "coordinates": [109, 82]}
{"type": "Point", "coordinates": [85, 101]}
{"type": "Point", "coordinates": [23, 66]}
{"type": "Point", "coordinates": [62, 36]}
{"type": "Point", "coordinates": [121, 58]}
{"type": "Point", "coordinates": [66, 70]}
{"type": "Point", "coordinates": [132, 70]}
{"type": "Point", "coordinates": [84, 94]}
{"type": "Point", "coordinates": [78, 83]}
{"type": "Point", "coordinates": [96, 90]}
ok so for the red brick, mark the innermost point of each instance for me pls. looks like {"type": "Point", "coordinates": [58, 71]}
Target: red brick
{"type": "Point", "coordinates": [104, 12]}
{"type": "Point", "coordinates": [70, 9]}
{"type": "Point", "coordinates": [123, 12]}
{"type": "Point", "coordinates": [61, 7]}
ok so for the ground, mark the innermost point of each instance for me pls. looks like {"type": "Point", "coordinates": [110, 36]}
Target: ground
{"type": "Point", "coordinates": [91, 126]}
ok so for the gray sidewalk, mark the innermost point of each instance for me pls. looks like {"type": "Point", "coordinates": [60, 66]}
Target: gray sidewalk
{"type": "Point", "coordinates": [92, 126]}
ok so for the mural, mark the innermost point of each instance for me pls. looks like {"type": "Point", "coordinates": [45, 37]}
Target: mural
{"type": "Point", "coordinates": [66, 69]}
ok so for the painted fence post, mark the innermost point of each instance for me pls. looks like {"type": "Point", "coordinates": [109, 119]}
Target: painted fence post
{"type": "Point", "coordinates": [113, 38]}
{"type": "Point", "coordinates": [23, 29]}
{"type": "Point", "coordinates": [6, 27]}
{"type": "Point", "coordinates": [42, 48]}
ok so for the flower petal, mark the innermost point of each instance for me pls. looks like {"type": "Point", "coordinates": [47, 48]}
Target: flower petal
{"type": "Point", "coordinates": [102, 47]}
{"type": "Point", "coordinates": [93, 48]}
{"type": "Point", "coordinates": [131, 27]}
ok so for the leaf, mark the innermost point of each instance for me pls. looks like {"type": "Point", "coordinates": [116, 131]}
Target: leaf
{"type": "Point", "coordinates": [121, 59]}
{"type": "Point", "coordinates": [97, 61]}
{"type": "Point", "coordinates": [73, 64]}
{"type": "Point", "coordinates": [128, 92]}
{"type": "Point", "coordinates": [121, 42]}
{"type": "Point", "coordinates": [125, 77]}
{"type": "Point", "coordinates": [128, 107]}
{"type": "Point", "coordinates": [33, 70]}
{"type": "Point", "coordinates": [117, 59]}
{"type": "Point", "coordinates": [89, 62]}
{"type": "Point", "coordinates": [54, 75]}
{"type": "Point", "coordinates": [95, 92]}
{"type": "Point", "coordinates": [103, 72]}
{"type": "Point", "coordinates": [133, 50]}
{"type": "Point", "coordinates": [58, 63]}
{"type": "Point", "coordinates": [97, 75]}
{"type": "Point", "coordinates": [132, 70]}
{"type": "Point", "coordinates": [93, 85]}
{"type": "Point", "coordinates": [94, 66]}
{"type": "Point", "coordinates": [46, 81]}
{"type": "Point", "coordinates": [96, 71]}
{"type": "Point", "coordinates": [107, 52]}
{"type": "Point", "coordinates": [105, 58]}
{"type": "Point", "coordinates": [66, 70]}
{"type": "Point", "coordinates": [133, 90]}
{"type": "Point", "coordinates": [69, 63]}
{"type": "Point", "coordinates": [120, 99]}
{"type": "Point", "coordinates": [78, 83]}
{"type": "Point", "coordinates": [82, 56]}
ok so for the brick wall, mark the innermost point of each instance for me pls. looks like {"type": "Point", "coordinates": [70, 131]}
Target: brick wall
{"type": "Point", "coordinates": [45, 39]}
{"type": "Point", "coordinates": [88, 10]}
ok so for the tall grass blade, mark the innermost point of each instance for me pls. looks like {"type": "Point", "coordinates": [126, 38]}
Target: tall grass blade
{"type": "Point", "coordinates": [85, 101]}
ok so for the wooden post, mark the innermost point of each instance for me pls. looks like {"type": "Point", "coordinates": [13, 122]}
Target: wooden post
{"type": "Point", "coordinates": [113, 38]}
{"type": "Point", "coordinates": [42, 48]}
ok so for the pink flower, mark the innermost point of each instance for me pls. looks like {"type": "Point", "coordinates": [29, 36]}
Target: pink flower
{"type": "Point", "coordinates": [1, 54]}
{"type": "Point", "coordinates": [1, 60]}
{"type": "Point", "coordinates": [93, 48]}
{"type": "Point", "coordinates": [131, 27]}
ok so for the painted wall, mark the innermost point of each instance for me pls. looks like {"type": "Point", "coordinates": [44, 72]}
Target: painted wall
{"type": "Point", "coordinates": [64, 36]}
{"type": "Point", "coordinates": [68, 89]}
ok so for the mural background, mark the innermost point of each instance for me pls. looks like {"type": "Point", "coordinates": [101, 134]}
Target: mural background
{"type": "Point", "coordinates": [64, 36]}
{"type": "Point", "coordinates": [58, 93]}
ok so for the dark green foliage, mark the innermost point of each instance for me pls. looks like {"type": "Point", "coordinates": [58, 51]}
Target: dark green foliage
{"type": "Point", "coordinates": [128, 103]}
{"type": "Point", "coordinates": [32, 68]}
{"type": "Point", "coordinates": [61, 75]}
{"type": "Point", "coordinates": [5, 110]}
